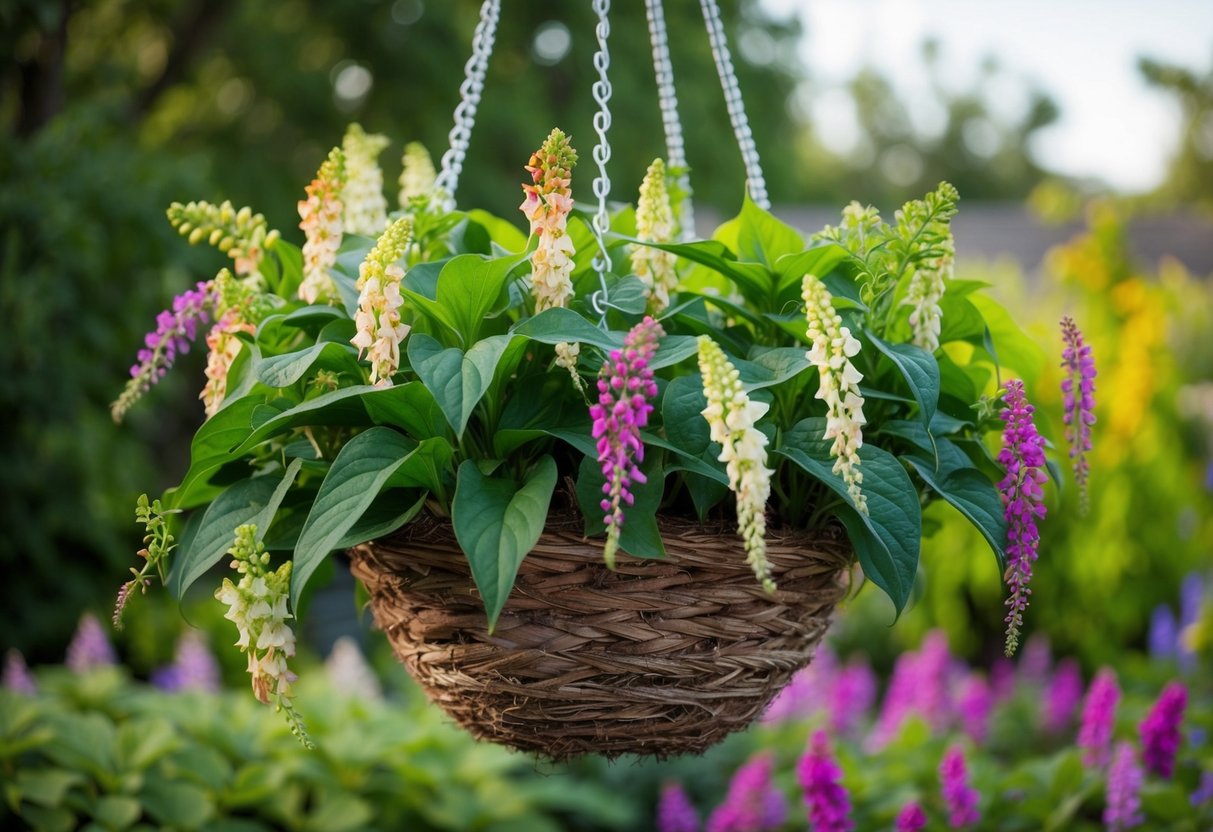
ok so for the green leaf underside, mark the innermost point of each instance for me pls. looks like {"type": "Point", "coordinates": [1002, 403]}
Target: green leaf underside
{"type": "Point", "coordinates": [887, 539]}
{"type": "Point", "coordinates": [920, 371]}
{"type": "Point", "coordinates": [361, 470]}
{"type": "Point", "coordinates": [204, 543]}
{"type": "Point", "coordinates": [497, 521]}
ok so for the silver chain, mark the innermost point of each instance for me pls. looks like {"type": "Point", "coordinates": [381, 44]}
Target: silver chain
{"type": "Point", "coordinates": [732, 98]}
{"type": "Point", "coordinates": [469, 99]}
{"type": "Point", "coordinates": [668, 100]}
{"type": "Point", "coordinates": [602, 151]}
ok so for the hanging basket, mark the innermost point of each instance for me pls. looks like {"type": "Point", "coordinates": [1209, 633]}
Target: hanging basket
{"type": "Point", "coordinates": [659, 657]}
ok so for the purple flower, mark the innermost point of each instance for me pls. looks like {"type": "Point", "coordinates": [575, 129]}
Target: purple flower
{"type": "Point", "coordinates": [898, 701]}
{"type": "Point", "coordinates": [1062, 696]}
{"type": "Point", "coordinates": [1002, 679]}
{"type": "Point", "coordinates": [1191, 598]}
{"type": "Point", "coordinates": [1079, 406]}
{"type": "Point", "coordinates": [826, 798]}
{"type": "Point", "coordinates": [17, 677]}
{"type": "Point", "coordinates": [919, 686]}
{"type": "Point", "coordinates": [90, 646]}
{"type": "Point", "coordinates": [1160, 730]}
{"type": "Point", "coordinates": [1036, 660]}
{"type": "Point", "coordinates": [625, 399]}
{"type": "Point", "coordinates": [975, 703]}
{"type": "Point", "coordinates": [911, 818]}
{"type": "Point", "coordinates": [675, 812]}
{"type": "Point", "coordinates": [1204, 792]}
{"type": "Point", "coordinates": [1123, 809]}
{"type": "Point", "coordinates": [959, 797]}
{"type": "Point", "coordinates": [176, 329]}
{"type": "Point", "coordinates": [808, 690]}
{"type": "Point", "coordinates": [1023, 457]}
{"type": "Point", "coordinates": [1098, 718]}
{"type": "Point", "coordinates": [851, 696]}
{"type": "Point", "coordinates": [753, 804]}
{"type": "Point", "coordinates": [1164, 633]}
{"type": "Point", "coordinates": [194, 668]}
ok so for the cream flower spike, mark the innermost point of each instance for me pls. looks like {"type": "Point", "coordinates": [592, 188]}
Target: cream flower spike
{"type": "Point", "coordinates": [831, 353]}
{"type": "Point", "coordinates": [380, 331]}
{"type": "Point", "coordinates": [321, 220]}
{"type": "Point", "coordinates": [417, 177]}
{"type": "Point", "coordinates": [655, 223]}
{"type": "Point", "coordinates": [365, 205]}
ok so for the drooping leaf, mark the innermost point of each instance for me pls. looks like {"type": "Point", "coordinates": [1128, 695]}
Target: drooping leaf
{"type": "Point", "coordinates": [920, 371]}
{"type": "Point", "coordinates": [284, 370]}
{"type": "Point", "coordinates": [497, 521]}
{"type": "Point", "coordinates": [559, 325]}
{"type": "Point", "coordinates": [458, 380]}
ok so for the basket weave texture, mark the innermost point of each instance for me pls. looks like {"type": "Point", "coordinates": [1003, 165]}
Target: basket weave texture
{"type": "Point", "coordinates": [659, 657]}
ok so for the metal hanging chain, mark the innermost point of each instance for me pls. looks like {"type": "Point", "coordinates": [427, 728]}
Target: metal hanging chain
{"type": "Point", "coordinates": [668, 100]}
{"type": "Point", "coordinates": [602, 153]}
{"type": "Point", "coordinates": [469, 99]}
{"type": "Point", "coordinates": [732, 98]}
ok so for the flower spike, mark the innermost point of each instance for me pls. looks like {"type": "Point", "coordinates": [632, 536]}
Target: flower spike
{"type": "Point", "coordinates": [1078, 390]}
{"type": "Point", "coordinates": [362, 196]}
{"type": "Point", "coordinates": [655, 223]}
{"type": "Point", "coordinates": [321, 220]}
{"type": "Point", "coordinates": [380, 331]}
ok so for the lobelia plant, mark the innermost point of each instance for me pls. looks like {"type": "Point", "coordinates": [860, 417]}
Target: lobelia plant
{"type": "Point", "coordinates": [440, 362]}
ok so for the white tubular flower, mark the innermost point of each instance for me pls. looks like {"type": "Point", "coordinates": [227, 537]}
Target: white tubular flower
{"type": "Point", "coordinates": [733, 420]}
{"type": "Point", "coordinates": [417, 177]}
{"type": "Point", "coordinates": [832, 351]}
{"type": "Point", "coordinates": [365, 205]}
{"type": "Point", "coordinates": [321, 220]}
{"type": "Point", "coordinates": [655, 223]}
{"type": "Point", "coordinates": [925, 291]}
{"type": "Point", "coordinates": [380, 331]}
{"type": "Point", "coordinates": [224, 346]}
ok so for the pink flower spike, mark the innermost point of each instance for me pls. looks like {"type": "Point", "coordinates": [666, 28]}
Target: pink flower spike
{"type": "Point", "coordinates": [1098, 718]}
{"type": "Point", "coordinates": [1023, 457]}
{"type": "Point", "coordinates": [961, 799]}
{"type": "Point", "coordinates": [675, 812]}
{"type": "Point", "coordinates": [1160, 735]}
{"type": "Point", "coordinates": [1123, 810]}
{"type": "Point", "coordinates": [1078, 390]}
{"type": "Point", "coordinates": [828, 803]}
{"type": "Point", "coordinates": [626, 391]}
{"type": "Point", "coordinates": [911, 818]}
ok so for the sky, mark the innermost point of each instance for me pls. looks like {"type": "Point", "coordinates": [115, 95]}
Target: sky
{"type": "Point", "coordinates": [1083, 52]}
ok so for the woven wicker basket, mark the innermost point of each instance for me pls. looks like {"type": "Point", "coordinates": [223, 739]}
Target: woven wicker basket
{"type": "Point", "coordinates": [657, 658]}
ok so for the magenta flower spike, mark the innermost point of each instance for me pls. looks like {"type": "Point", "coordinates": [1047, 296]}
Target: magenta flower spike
{"type": "Point", "coordinates": [911, 818]}
{"type": "Point", "coordinates": [675, 812]}
{"type": "Point", "coordinates": [829, 805]}
{"type": "Point", "coordinates": [1098, 718]}
{"type": "Point", "coordinates": [1160, 735]}
{"type": "Point", "coordinates": [1123, 808]}
{"type": "Point", "coordinates": [960, 798]}
{"type": "Point", "coordinates": [17, 677]}
{"type": "Point", "coordinates": [1078, 391]}
{"type": "Point", "coordinates": [626, 391]}
{"type": "Point", "coordinates": [975, 704]}
{"type": "Point", "coordinates": [1062, 696]}
{"type": "Point", "coordinates": [851, 696]}
{"type": "Point", "coordinates": [753, 804]}
{"type": "Point", "coordinates": [1023, 457]}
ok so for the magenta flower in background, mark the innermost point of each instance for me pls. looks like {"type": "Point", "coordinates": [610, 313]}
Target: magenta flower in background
{"type": "Point", "coordinates": [911, 818]}
{"type": "Point", "coordinates": [1098, 718]}
{"type": "Point", "coordinates": [1123, 808]}
{"type": "Point", "coordinates": [851, 696]}
{"type": "Point", "coordinates": [808, 691]}
{"type": "Point", "coordinates": [753, 804]}
{"type": "Point", "coordinates": [675, 812]}
{"type": "Point", "coordinates": [898, 701]}
{"type": "Point", "coordinates": [17, 677]}
{"type": "Point", "coordinates": [932, 699]}
{"type": "Point", "coordinates": [975, 704]}
{"type": "Point", "coordinates": [1036, 660]}
{"type": "Point", "coordinates": [1078, 389]}
{"type": "Point", "coordinates": [826, 798]}
{"type": "Point", "coordinates": [1160, 730]}
{"type": "Point", "coordinates": [1023, 457]}
{"type": "Point", "coordinates": [90, 646]}
{"type": "Point", "coordinates": [1062, 696]}
{"type": "Point", "coordinates": [960, 798]}
{"type": "Point", "coordinates": [1002, 679]}
{"type": "Point", "coordinates": [625, 399]}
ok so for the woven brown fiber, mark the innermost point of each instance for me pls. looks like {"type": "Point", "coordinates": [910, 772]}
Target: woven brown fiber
{"type": "Point", "coordinates": [659, 657]}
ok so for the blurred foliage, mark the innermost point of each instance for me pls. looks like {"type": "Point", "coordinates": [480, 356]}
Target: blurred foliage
{"type": "Point", "coordinates": [1190, 177]}
{"type": "Point", "coordinates": [98, 748]}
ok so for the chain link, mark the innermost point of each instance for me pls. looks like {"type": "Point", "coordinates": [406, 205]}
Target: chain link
{"type": "Point", "coordinates": [732, 98]}
{"type": "Point", "coordinates": [469, 99]}
{"type": "Point", "coordinates": [667, 98]}
{"type": "Point", "coordinates": [602, 151]}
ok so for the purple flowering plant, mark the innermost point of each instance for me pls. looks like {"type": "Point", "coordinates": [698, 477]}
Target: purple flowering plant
{"type": "Point", "coordinates": [428, 360]}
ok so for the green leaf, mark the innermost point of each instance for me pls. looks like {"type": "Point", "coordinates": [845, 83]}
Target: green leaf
{"type": "Point", "coordinates": [458, 380]}
{"type": "Point", "coordinates": [345, 406]}
{"type": "Point", "coordinates": [497, 521]}
{"type": "Point", "coordinates": [818, 261]}
{"type": "Point", "coordinates": [559, 325]}
{"type": "Point", "coordinates": [753, 279]}
{"type": "Point", "coordinates": [469, 286]}
{"type": "Point", "coordinates": [763, 238]}
{"type": "Point", "coordinates": [176, 804]}
{"type": "Point", "coordinates": [629, 296]}
{"type": "Point", "coordinates": [361, 470]}
{"type": "Point", "coordinates": [284, 370]}
{"type": "Point", "coordinates": [211, 448]}
{"type": "Point", "coordinates": [46, 786]}
{"type": "Point", "coordinates": [386, 514]}
{"type": "Point", "coordinates": [115, 812]}
{"type": "Point", "coordinates": [410, 407]}
{"type": "Point", "coordinates": [502, 232]}
{"type": "Point", "coordinates": [970, 492]}
{"type": "Point", "coordinates": [772, 367]}
{"type": "Point", "coordinates": [639, 536]}
{"type": "Point", "coordinates": [920, 371]}
{"type": "Point", "coordinates": [674, 349]}
{"type": "Point", "coordinates": [887, 540]}
{"type": "Point", "coordinates": [203, 544]}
